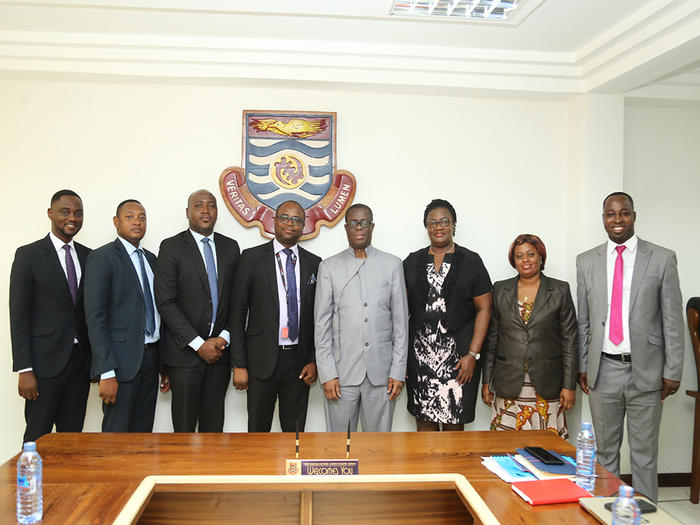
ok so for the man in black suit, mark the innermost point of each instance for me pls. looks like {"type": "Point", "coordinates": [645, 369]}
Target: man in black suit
{"type": "Point", "coordinates": [124, 325]}
{"type": "Point", "coordinates": [272, 322]}
{"type": "Point", "coordinates": [50, 347]}
{"type": "Point", "coordinates": [194, 278]}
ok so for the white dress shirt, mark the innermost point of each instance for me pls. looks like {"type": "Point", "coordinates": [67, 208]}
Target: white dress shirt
{"type": "Point", "coordinates": [282, 292]}
{"type": "Point", "coordinates": [58, 245]}
{"type": "Point", "coordinates": [197, 342]}
{"type": "Point", "coordinates": [628, 257]}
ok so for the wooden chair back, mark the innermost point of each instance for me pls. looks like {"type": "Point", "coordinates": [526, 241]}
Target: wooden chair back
{"type": "Point", "coordinates": [693, 314]}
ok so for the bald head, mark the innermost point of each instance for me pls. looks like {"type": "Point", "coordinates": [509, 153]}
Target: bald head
{"type": "Point", "coordinates": [199, 194]}
{"type": "Point", "coordinates": [202, 212]}
{"type": "Point", "coordinates": [287, 206]}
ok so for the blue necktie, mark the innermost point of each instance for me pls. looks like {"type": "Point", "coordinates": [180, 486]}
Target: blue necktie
{"type": "Point", "coordinates": [211, 275]}
{"type": "Point", "coordinates": [148, 298]}
{"type": "Point", "coordinates": [292, 306]}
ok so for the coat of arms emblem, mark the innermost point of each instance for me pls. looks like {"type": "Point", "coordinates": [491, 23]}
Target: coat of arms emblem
{"type": "Point", "coordinates": [288, 156]}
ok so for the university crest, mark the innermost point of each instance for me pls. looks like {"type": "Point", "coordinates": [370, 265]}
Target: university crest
{"type": "Point", "coordinates": [288, 156]}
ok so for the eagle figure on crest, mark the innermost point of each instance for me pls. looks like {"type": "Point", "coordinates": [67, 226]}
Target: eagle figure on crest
{"type": "Point", "coordinates": [297, 128]}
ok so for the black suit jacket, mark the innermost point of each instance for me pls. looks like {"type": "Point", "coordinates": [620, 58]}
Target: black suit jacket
{"type": "Point", "coordinates": [43, 319]}
{"type": "Point", "coordinates": [184, 299]}
{"type": "Point", "coordinates": [548, 344]}
{"type": "Point", "coordinates": [115, 311]}
{"type": "Point", "coordinates": [255, 310]}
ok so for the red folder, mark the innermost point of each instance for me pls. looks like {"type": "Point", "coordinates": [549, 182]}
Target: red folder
{"type": "Point", "coordinates": [546, 491]}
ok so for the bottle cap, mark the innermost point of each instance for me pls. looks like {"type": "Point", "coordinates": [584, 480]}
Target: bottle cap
{"type": "Point", "coordinates": [30, 446]}
{"type": "Point", "coordinates": [626, 491]}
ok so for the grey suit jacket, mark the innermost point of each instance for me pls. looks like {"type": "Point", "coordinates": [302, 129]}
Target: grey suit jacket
{"type": "Point", "coordinates": [361, 318]}
{"type": "Point", "coordinates": [548, 344]}
{"type": "Point", "coordinates": [655, 314]}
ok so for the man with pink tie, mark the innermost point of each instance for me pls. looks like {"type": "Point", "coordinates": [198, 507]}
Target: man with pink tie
{"type": "Point", "coordinates": [630, 319]}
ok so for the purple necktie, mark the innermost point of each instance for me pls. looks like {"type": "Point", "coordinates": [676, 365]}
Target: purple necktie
{"type": "Point", "coordinates": [615, 333]}
{"type": "Point", "coordinates": [71, 275]}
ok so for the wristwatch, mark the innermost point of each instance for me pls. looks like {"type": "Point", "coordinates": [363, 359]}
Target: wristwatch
{"type": "Point", "coordinates": [475, 355]}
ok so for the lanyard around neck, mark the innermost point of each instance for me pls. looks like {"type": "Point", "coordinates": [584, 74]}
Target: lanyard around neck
{"type": "Point", "coordinates": [281, 269]}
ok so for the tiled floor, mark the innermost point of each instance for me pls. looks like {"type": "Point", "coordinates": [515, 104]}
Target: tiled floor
{"type": "Point", "coordinates": [676, 501]}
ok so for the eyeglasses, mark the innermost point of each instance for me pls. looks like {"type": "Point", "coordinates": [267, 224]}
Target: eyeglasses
{"type": "Point", "coordinates": [444, 222]}
{"type": "Point", "coordinates": [365, 223]}
{"type": "Point", "coordinates": [286, 219]}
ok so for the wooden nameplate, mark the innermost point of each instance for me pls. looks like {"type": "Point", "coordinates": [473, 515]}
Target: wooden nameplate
{"type": "Point", "coordinates": [322, 467]}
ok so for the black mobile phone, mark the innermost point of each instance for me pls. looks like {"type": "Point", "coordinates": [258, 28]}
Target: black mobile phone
{"type": "Point", "coordinates": [644, 506]}
{"type": "Point", "coordinates": [544, 456]}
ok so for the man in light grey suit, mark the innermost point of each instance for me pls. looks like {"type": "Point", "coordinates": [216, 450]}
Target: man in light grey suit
{"type": "Point", "coordinates": [630, 319]}
{"type": "Point", "coordinates": [361, 317]}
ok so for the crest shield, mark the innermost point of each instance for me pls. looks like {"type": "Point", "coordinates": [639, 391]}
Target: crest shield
{"type": "Point", "coordinates": [288, 156]}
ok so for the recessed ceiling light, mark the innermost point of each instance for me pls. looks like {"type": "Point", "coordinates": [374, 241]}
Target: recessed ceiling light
{"type": "Point", "coordinates": [457, 9]}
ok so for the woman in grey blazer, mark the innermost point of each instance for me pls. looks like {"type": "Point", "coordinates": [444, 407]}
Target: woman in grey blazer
{"type": "Point", "coordinates": [531, 353]}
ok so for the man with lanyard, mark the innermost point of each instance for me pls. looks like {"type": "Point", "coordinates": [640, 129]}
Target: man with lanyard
{"type": "Point", "coordinates": [272, 325]}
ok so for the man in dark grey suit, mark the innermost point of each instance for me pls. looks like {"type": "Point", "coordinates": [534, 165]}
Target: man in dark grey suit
{"type": "Point", "coordinates": [630, 319]}
{"type": "Point", "coordinates": [272, 324]}
{"type": "Point", "coordinates": [123, 324]}
{"type": "Point", "coordinates": [50, 346]}
{"type": "Point", "coordinates": [193, 286]}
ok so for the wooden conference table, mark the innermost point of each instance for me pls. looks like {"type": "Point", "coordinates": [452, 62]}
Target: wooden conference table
{"type": "Point", "coordinates": [89, 477]}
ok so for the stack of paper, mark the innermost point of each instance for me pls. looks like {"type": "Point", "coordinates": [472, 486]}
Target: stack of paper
{"type": "Point", "coordinates": [507, 468]}
{"type": "Point", "coordinates": [542, 471]}
{"type": "Point", "coordinates": [536, 482]}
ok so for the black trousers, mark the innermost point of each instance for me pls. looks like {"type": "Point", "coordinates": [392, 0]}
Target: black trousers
{"type": "Point", "coordinates": [135, 408]}
{"type": "Point", "coordinates": [198, 397]}
{"type": "Point", "coordinates": [284, 383]}
{"type": "Point", "coordinates": [62, 400]}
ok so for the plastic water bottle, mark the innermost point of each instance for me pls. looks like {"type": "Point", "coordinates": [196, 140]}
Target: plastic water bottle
{"type": "Point", "coordinates": [625, 510]}
{"type": "Point", "coordinates": [585, 457]}
{"type": "Point", "coordinates": [30, 502]}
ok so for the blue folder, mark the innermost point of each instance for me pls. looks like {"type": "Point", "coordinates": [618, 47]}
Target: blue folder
{"type": "Point", "coordinates": [511, 467]}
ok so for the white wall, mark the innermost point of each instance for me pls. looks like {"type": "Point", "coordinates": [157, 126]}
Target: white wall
{"type": "Point", "coordinates": [662, 168]}
{"type": "Point", "coordinates": [503, 163]}
{"type": "Point", "coordinates": [595, 156]}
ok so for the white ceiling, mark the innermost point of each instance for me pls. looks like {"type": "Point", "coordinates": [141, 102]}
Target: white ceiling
{"type": "Point", "coordinates": [557, 46]}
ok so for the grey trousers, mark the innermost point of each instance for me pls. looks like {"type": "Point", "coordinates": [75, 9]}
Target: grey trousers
{"type": "Point", "coordinates": [614, 396]}
{"type": "Point", "coordinates": [366, 402]}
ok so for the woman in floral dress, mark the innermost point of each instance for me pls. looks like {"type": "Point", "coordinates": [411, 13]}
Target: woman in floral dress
{"type": "Point", "coordinates": [449, 301]}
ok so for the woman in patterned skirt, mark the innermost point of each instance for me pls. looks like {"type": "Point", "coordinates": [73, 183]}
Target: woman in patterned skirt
{"type": "Point", "coordinates": [449, 302]}
{"type": "Point", "coordinates": [530, 358]}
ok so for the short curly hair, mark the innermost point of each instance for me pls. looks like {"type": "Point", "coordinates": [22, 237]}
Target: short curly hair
{"type": "Point", "coordinates": [439, 203]}
{"type": "Point", "coordinates": [529, 238]}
